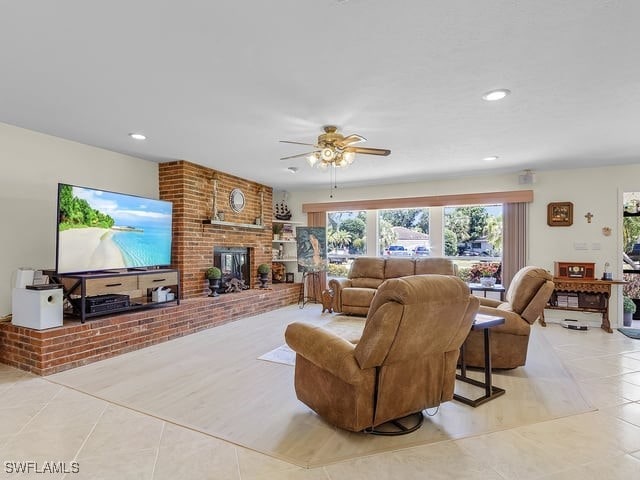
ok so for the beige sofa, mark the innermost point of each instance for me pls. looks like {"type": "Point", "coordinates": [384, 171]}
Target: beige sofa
{"type": "Point", "coordinates": [353, 295]}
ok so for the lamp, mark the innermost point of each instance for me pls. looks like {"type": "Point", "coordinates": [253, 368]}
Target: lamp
{"type": "Point", "coordinates": [330, 156]}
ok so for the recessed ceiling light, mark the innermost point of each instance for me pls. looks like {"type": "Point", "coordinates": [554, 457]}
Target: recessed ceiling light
{"type": "Point", "coordinates": [490, 158]}
{"type": "Point", "coordinates": [292, 169]}
{"type": "Point", "coordinates": [494, 95]}
{"type": "Point", "coordinates": [137, 136]}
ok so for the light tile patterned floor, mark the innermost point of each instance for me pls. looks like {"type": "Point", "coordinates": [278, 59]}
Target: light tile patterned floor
{"type": "Point", "coordinates": [41, 421]}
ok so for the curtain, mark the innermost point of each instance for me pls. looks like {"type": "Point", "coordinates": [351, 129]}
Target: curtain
{"type": "Point", "coordinates": [514, 240]}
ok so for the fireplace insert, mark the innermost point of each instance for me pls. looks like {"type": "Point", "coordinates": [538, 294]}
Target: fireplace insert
{"type": "Point", "coordinates": [234, 263]}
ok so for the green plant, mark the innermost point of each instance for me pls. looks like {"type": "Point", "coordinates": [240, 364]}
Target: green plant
{"type": "Point", "coordinates": [213, 273]}
{"type": "Point", "coordinates": [263, 268]}
{"type": "Point", "coordinates": [628, 305]}
{"type": "Point", "coordinates": [277, 228]}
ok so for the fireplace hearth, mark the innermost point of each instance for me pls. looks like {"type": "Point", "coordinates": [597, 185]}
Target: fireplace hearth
{"type": "Point", "coordinates": [234, 263]}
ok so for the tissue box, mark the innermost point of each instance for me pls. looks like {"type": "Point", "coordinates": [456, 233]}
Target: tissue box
{"type": "Point", "coordinates": [159, 295]}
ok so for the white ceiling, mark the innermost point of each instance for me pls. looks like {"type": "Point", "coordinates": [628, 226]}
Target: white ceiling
{"type": "Point", "coordinates": [219, 83]}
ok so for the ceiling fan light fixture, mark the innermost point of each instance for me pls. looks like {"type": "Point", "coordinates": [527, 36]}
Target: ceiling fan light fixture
{"type": "Point", "coordinates": [313, 159]}
{"type": "Point", "coordinates": [349, 157]}
{"type": "Point", "coordinates": [328, 154]}
{"type": "Point", "coordinates": [494, 95]}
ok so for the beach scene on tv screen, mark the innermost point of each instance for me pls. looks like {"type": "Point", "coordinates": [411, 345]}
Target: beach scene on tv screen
{"type": "Point", "coordinates": [100, 230]}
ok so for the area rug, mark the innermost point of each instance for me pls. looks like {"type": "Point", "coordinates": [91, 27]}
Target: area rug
{"type": "Point", "coordinates": [630, 332]}
{"type": "Point", "coordinates": [283, 354]}
{"type": "Point", "coordinates": [213, 382]}
{"type": "Point", "coordinates": [346, 327]}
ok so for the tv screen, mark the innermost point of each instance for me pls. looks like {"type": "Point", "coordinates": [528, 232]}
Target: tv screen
{"type": "Point", "coordinates": [100, 230]}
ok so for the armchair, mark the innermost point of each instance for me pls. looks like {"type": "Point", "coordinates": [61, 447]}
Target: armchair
{"type": "Point", "coordinates": [404, 362]}
{"type": "Point", "coordinates": [526, 298]}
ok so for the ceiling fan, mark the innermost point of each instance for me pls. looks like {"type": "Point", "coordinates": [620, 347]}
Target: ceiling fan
{"type": "Point", "coordinates": [334, 149]}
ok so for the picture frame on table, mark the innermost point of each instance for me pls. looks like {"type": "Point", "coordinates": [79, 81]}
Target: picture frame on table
{"type": "Point", "coordinates": [289, 277]}
{"type": "Point", "coordinates": [560, 214]}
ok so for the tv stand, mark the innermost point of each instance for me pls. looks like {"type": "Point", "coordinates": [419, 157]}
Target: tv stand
{"type": "Point", "coordinates": [136, 285]}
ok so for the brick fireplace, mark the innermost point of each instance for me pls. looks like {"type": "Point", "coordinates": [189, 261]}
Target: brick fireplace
{"type": "Point", "coordinates": [191, 189]}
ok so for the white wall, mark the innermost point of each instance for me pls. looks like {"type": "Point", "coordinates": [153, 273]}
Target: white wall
{"type": "Point", "coordinates": [32, 164]}
{"type": "Point", "coordinates": [595, 190]}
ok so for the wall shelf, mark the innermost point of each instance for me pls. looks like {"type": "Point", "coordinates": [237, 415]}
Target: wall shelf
{"type": "Point", "coordinates": [232, 224]}
{"type": "Point", "coordinates": [275, 220]}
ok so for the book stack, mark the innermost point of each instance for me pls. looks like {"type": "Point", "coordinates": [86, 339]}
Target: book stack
{"type": "Point", "coordinates": [561, 301]}
{"type": "Point", "coordinates": [287, 232]}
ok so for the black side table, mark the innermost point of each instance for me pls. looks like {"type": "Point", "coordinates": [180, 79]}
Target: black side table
{"type": "Point", "coordinates": [481, 322]}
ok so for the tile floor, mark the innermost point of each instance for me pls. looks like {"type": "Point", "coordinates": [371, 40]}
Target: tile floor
{"type": "Point", "coordinates": [43, 422]}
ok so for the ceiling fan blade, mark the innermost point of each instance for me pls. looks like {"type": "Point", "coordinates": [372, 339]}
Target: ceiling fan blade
{"type": "Point", "coordinates": [299, 155]}
{"type": "Point", "coordinates": [368, 151]}
{"type": "Point", "coordinates": [351, 139]}
{"type": "Point", "coordinates": [298, 143]}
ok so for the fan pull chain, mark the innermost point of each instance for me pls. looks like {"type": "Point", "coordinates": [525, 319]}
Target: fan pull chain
{"type": "Point", "coordinates": [332, 180]}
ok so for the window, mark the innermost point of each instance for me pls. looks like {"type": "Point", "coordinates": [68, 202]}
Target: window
{"type": "Point", "coordinates": [404, 232]}
{"type": "Point", "coordinates": [473, 238]}
{"type": "Point", "coordinates": [470, 235]}
{"type": "Point", "coordinates": [346, 240]}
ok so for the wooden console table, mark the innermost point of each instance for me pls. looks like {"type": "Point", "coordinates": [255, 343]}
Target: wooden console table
{"type": "Point", "coordinates": [587, 296]}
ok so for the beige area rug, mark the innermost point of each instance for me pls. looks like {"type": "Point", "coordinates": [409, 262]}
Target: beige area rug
{"type": "Point", "coordinates": [283, 354]}
{"type": "Point", "coordinates": [346, 327]}
{"type": "Point", "coordinates": [213, 382]}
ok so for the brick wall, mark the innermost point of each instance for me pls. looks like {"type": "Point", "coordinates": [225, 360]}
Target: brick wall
{"type": "Point", "coordinates": [45, 352]}
{"type": "Point", "coordinates": [190, 188]}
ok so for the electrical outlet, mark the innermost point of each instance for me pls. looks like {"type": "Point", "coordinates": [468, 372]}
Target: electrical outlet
{"type": "Point", "coordinates": [580, 246]}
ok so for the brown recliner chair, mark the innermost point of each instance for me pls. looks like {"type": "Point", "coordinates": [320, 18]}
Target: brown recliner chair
{"type": "Point", "coordinates": [526, 298]}
{"type": "Point", "coordinates": [404, 362]}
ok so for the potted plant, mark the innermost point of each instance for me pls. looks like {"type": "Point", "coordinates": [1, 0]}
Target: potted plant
{"type": "Point", "coordinates": [629, 308]}
{"type": "Point", "coordinates": [214, 274]}
{"type": "Point", "coordinates": [263, 274]}
{"type": "Point", "coordinates": [277, 229]}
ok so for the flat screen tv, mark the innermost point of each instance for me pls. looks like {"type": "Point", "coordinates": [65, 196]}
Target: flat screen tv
{"type": "Point", "coordinates": [100, 230]}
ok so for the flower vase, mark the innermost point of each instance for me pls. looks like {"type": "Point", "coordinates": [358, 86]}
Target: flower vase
{"type": "Point", "coordinates": [487, 282]}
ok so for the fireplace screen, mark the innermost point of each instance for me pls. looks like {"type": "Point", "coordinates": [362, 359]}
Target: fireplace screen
{"type": "Point", "coordinates": [234, 263]}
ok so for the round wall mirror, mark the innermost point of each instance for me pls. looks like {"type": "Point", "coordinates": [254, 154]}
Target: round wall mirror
{"type": "Point", "coordinates": [236, 200]}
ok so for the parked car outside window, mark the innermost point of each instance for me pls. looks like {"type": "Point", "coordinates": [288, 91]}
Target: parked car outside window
{"type": "Point", "coordinates": [397, 251]}
{"type": "Point", "coordinates": [421, 250]}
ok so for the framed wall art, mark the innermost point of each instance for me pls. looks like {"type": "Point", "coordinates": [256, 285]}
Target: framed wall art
{"type": "Point", "coordinates": [560, 214]}
{"type": "Point", "coordinates": [312, 249]}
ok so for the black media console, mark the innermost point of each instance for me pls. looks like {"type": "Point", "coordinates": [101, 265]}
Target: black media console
{"type": "Point", "coordinates": [94, 294]}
